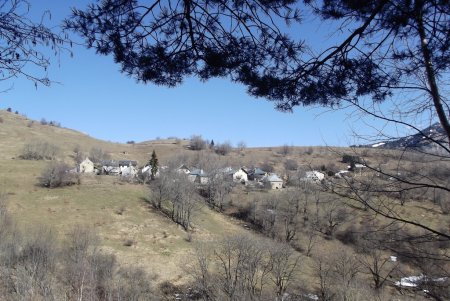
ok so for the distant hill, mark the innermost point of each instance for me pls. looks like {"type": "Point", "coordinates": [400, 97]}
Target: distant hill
{"type": "Point", "coordinates": [423, 141]}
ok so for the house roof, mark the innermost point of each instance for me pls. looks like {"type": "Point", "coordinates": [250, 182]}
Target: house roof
{"type": "Point", "coordinates": [109, 163]}
{"type": "Point", "coordinates": [87, 160]}
{"type": "Point", "coordinates": [273, 178]}
{"type": "Point", "coordinates": [198, 172]}
{"type": "Point", "coordinates": [182, 166]}
{"type": "Point", "coordinates": [259, 171]}
{"type": "Point", "coordinates": [127, 163]}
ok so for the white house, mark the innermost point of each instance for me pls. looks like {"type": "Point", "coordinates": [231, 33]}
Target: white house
{"type": "Point", "coordinates": [198, 176]}
{"type": "Point", "coordinates": [273, 181]}
{"type": "Point", "coordinates": [87, 166]}
{"type": "Point", "coordinates": [240, 176]}
{"type": "Point", "coordinates": [128, 171]}
{"type": "Point", "coordinates": [314, 175]}
{"type": "Point", "coordinates": [183, 169]}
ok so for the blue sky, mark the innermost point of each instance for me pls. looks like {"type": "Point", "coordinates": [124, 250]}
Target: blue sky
{"type": "Point", "coordinates": [92, 96]}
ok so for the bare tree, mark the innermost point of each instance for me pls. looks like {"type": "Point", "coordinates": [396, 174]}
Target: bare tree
{"type": "Point", "coordinates": [285, 150]}
{"type": "Point", "coordinates": [78, 154]}
{"type": "Point", "coordinates": [283, 265]}
{"type": "Point", "coordinates": [36, 266]}
{"type": "Point", "coordinates": [39, 151]}
{"type": "Point", "coordinates": [223, 148]}
{"type": "Point", "coordinates": [161, 189]}
{"type": "Point", "coordinates": [289, 214]}
{"type": "Point", "coordinates": [241, 146]}
{"type": "Point", "coordinates": [96, 155]}
{"type": "Point", "coordinates": [56, 174]}
{"type": "Point", "coordinates": [243, 268]}
{"type": "Point", "coordinates": [197, 142]}
{"type": "Point", "coordinates": [378, 265]}
{"type": "Point", "coordinates": [78, 273]}
{"type": "Point", "coordinates": [332, 213]}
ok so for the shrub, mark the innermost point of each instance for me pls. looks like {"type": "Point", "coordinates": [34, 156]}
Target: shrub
{"type": "Point", "coordinates": [309, 151]}
{"type": "Point", "coordinates": [44, 121]}
{"type": "Point", "coordinates": [9, 110]}
{"type": "Point", "coordinates": [55, 123]}
{"type": "Point", "coordinates": [348, 236]}
{"type": "Point", "coordinates": [223, 148]}
{"type": "Point", "coordinates": [97, 155]}
{"type": "Point", "coordinates": [57, 174]}
{"type": "Point", "coordinates": [267, 167]}
{"type": "Point", "coordinates": [128, 243]}
{"type": "Point", "coordinates": [290, 164]}
{"type": "Point", "coordinates": [285, 150]}
{"type": "Point", "coordinates": [30, 123]}
{"type": "Point", "coordinates": [39, 151]}
{"type": "Point", "coordinates": [346, 158]}
{"type": "Point", "coordinates": [16, 112]}
{"type": "Point", "coordinates": [131, 142]}
{"type": "Point", "coordinates": [197, 143]}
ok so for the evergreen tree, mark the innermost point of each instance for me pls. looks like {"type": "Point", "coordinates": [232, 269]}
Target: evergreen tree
{"type": "Point", "coordinates": [153, 165]}
{"type": "Point", "coordinates": [211, 145]}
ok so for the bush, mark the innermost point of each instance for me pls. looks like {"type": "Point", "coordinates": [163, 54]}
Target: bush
{"type": "Point", "coordinates": [267, 167]}
{"type": "Point", "coordinates": [131, 142]}
{"type": "Point", "coordinates": [346, 158]}
{"type": "Point", "coordinates": [309, 151]}
{"type": "Point", "coordinates": [290, 164]}
{"type": "Point", "coordinates": [285, 150]}
{"type": "Point", "coordinates": [55, 123]}
{"type": "Point", "coordinates": [223, 148]}
{"type": "Point", "coordinates": [9, 110]}
{"type": "Point", "coordinates": [128, 243]}
{"type": "Point", "coordinates": [39, 151]}
{"type": "Point", "coordinates": [44, 121]}
{"type": "Point", "coordinates": [57, 174]}
{"type": "Point", "coordinates": [348, 236]}
{"type": "Point", "coordinates": [197, 143]}
{"type": "Point", "coordinates": [97, 155]}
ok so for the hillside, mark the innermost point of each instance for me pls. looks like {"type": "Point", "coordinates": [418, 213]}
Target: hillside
{"type": "Point", "coordinates": [97, 200]}
{"type": "Point", "coordinates": [326, 228]}
{"type": "Point", "coordinates": [426, 140]}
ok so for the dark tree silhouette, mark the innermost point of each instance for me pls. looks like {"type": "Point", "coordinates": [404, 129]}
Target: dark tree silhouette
{"type": "Point", "coordinates": [22, 42]}
{"type": "Point", "coordinates": [385, 51]}
{"type": "Point", "coordinates": [164, 41]}
{"type": "Point", "coordinates": [153, 162]}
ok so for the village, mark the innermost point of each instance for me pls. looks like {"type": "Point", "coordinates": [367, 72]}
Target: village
{"type": "Point", "coordinates": [254, 176]}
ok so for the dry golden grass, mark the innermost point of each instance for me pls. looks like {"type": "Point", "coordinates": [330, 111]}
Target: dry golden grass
{"type": "Point", "coordinates": [127, 225]}
{"type": "Point", "coordinates": [158, 245]}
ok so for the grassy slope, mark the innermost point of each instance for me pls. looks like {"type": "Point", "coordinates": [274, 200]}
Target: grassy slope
{"type": "Point", "coordinates": [159, 245]}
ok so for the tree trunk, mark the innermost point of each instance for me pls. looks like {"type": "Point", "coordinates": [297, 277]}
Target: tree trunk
{"type": "Point", "coordinates": [431, 77]}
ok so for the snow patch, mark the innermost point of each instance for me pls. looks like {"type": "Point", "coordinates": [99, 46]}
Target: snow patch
{"type": "Point", "coordinates": [410, 281]}
{"type": "Point", "coordinates": [378, 144]}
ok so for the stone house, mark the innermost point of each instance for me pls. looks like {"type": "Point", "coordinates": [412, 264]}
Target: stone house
{"type": "Point", "coordinates": [273, 181]}
{"type": "Point", "coordinates": [87, 166]}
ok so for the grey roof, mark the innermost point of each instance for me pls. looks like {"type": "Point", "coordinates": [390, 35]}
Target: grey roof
{"type": "Point", "coordinates": [259, 171]}
{"type": "Point", "coordinates": [198, 172]}
{"type": "Point", "coordinates": [127, 163]}
{"type": "Point", "coordinates": [274, 178]}
{"type": "Point", "coordinates": [109, 163]}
